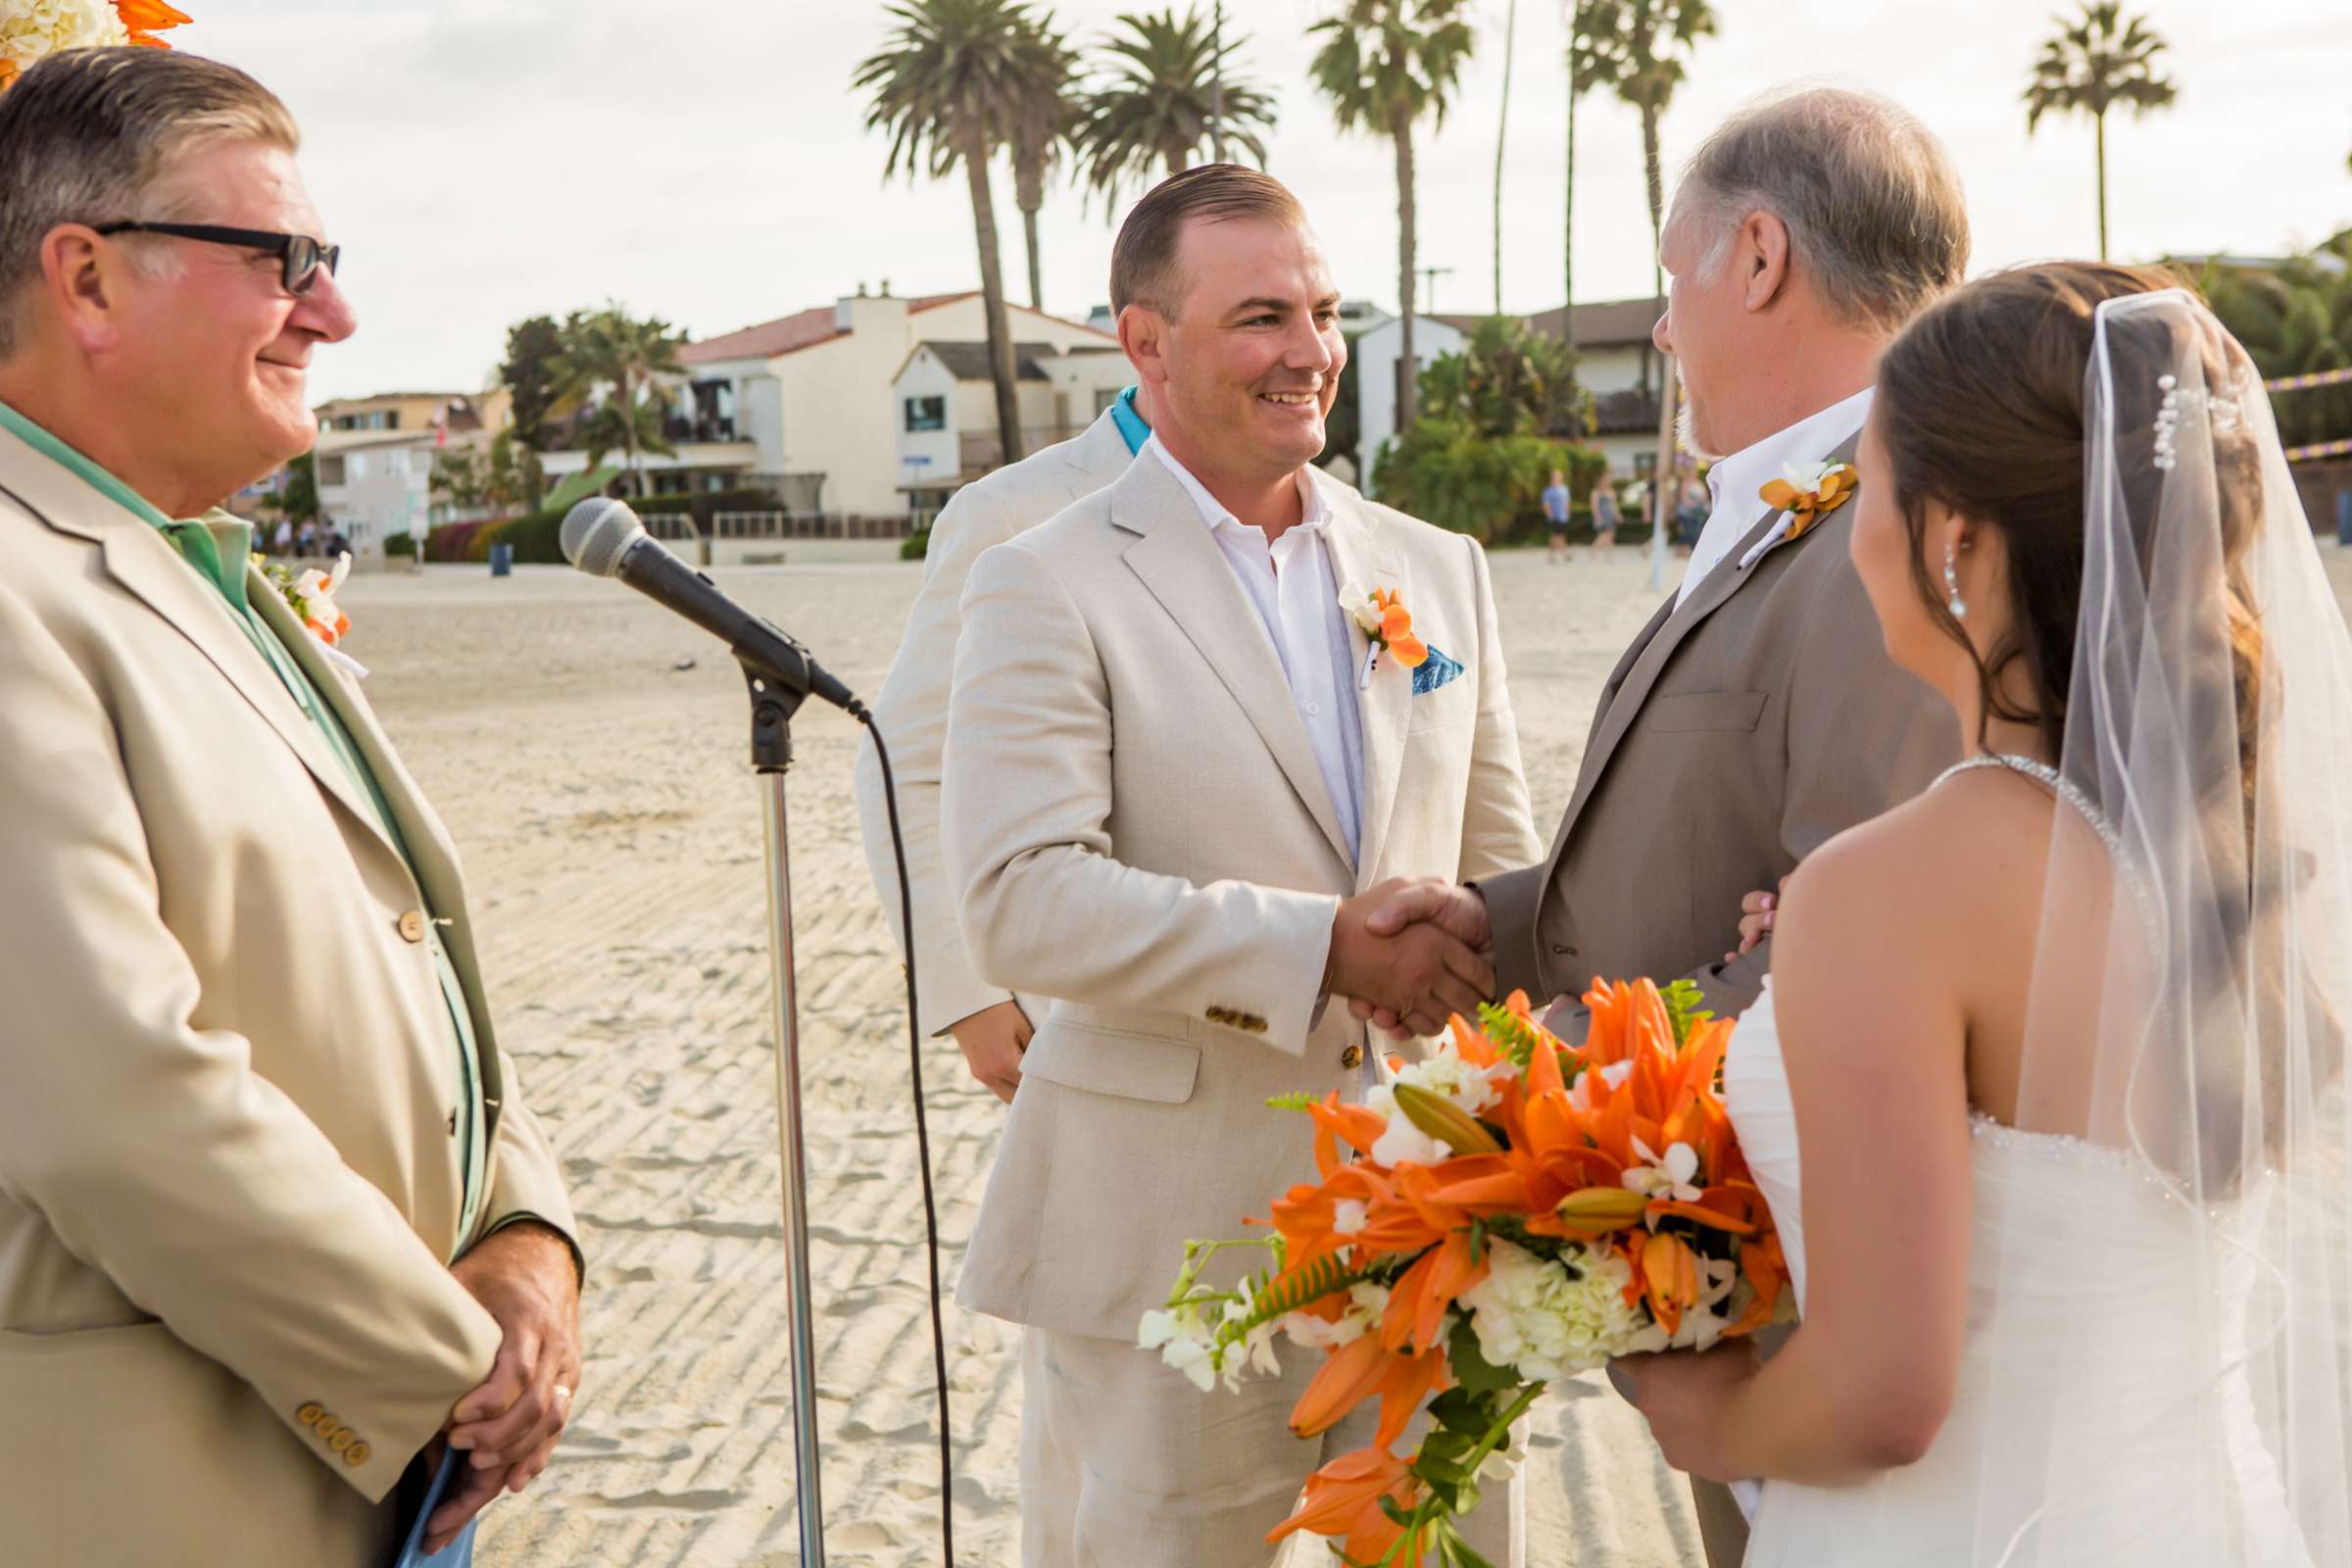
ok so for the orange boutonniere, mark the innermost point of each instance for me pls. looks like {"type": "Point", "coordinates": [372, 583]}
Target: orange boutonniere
{"type": "Point", "coordinates": [1387, 625]}
{"type": "Point", "coordinates": [1804, 494]}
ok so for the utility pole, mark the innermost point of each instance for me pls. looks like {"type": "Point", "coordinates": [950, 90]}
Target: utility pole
{"type": "Point", "coordinates": [1429, 287]}
{"type": "Point", "coordinates": [1216, 83]}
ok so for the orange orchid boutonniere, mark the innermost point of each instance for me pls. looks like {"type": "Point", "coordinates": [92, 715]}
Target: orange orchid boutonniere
{"type": "Point", "coordinates": [1804, 494]}
{"type": "Point", "coordinates": [30, 34]}
{"type": "Point", "coordinates": [1387, 625]}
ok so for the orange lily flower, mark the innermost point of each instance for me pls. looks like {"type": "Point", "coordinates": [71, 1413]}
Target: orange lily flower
{"type": "Point", "coordinates": [1358, 1126]}
{"type": "Point", "coordinates": [1357, 1370]}
{"type": "Point", "coordinates": [1670, 1276]}
{"type": "Point", "coordinates": [1342, 1501]}
{"type": "Point", "coordinates": [147, 18]}
{"type": "Point", "coordinates": [1417, 1304]}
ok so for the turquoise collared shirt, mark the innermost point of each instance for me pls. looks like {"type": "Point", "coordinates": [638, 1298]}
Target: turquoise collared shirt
{"type": "Point", "coordinates": [1134, 428]}
{"type": "Point", "coordinates": [217, 548]}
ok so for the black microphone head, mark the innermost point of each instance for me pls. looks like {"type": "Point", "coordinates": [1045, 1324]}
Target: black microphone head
{"type": "Point", "coordinates": [598, 532]}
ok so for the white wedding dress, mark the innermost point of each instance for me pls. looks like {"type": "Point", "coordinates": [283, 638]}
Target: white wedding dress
{"type": "Point", "coordinates": [2091, 1286]}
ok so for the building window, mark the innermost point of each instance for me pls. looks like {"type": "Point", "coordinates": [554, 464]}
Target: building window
{"type": "Point", "coordinates": [330, 470]}
{"type": "Point", "coordinates": [1104, 397]}
{"type": "Point", "coordinates": [926, 413]}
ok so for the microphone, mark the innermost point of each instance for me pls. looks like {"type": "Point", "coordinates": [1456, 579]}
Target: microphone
{"type": "Point", "coordinates": [604, 538]}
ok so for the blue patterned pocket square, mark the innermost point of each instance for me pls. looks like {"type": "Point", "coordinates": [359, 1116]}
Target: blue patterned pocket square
{"type": "Point", "coordinates": [1434, 671]}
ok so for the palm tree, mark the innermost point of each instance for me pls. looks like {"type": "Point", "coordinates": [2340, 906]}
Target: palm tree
{"type": "Point", "coordinates": [1156, 105]}
{"type": "Point", "coordinates": [1648, 36]}
{"type": "Point", "coordinates": [1043, 126]}
{"type": "Point", "coordinates": [1594, 27]}
{"type": "Point", "coordinates": [2091, 65]}
{"type": "Point", "coordinates": [1383, 63]}
{"type": "Point", "coordinates": [948, 90]}
{"type": "Point", "coordinates": [611, 353]}
{"type": "Point", "coordinates": [1510, 32]}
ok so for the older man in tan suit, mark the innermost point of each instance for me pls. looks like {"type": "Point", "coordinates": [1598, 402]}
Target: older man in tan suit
{"type": "Point", "coordinates": [988, 1022]}
{"type": "Point", "coordinates": [273, 1215]}
{"type": "Point", "coordinates": [1757, 714]}
{"type": "Point", "coordinates": [1176, 784]}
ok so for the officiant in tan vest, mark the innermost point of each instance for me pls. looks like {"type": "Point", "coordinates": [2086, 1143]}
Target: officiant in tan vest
{"type": "Point", "coordinates": [1757, 714]}
{"type": "Point", "coordinates": [273, 1215]}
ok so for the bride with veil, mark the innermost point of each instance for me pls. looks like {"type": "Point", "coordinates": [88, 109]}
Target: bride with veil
{"type": "Point", "coordinates": [2061, 1040]}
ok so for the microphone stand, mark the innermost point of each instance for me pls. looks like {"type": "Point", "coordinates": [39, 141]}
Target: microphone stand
{"type": "Point", "coordinates": [773, 703]}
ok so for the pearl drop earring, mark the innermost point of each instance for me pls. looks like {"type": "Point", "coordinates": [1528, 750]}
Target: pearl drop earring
{"type": "Point", "coordinates": [1951, 581]}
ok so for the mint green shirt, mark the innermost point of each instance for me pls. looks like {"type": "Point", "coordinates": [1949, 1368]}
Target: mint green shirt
{"type": "Point", "coordinates": [218, 548]}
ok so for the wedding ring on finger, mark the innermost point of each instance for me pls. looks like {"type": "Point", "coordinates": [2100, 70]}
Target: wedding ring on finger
{"type": "Point", "coordinates": [563, 1400]}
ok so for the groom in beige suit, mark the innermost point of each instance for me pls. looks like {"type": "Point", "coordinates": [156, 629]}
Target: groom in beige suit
{"type": "Point", "coordinates": [1175, 786]}
{"type": "Point", "coordinates": [273, 1215]}
{"type": "Point", "coordinates": [1757, 714]}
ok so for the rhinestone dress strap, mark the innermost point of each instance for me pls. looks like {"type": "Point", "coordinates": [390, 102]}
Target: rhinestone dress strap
{"type": "Point", "coordinates": [2056, 783]}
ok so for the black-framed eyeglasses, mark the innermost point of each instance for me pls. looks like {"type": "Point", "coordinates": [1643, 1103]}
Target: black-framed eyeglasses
{"type": "Point", "coordinates": [299, 257]}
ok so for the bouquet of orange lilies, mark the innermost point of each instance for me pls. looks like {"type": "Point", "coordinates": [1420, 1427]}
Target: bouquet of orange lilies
{"type": "Point", "coordinates": [1516, 1211]}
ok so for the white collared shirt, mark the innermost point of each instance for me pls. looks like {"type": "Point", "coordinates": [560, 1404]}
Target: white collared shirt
{"type": "Point", "coordinates": [1290, 583]}
{"type": "Point", "coordinates": [1733, 484]}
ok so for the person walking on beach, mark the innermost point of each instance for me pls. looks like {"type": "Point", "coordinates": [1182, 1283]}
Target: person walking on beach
{"type": "Point", "coordinates": [1556, 515]}
{"type": "Point", "coordinates": [1605, 513]}
{"type": "Point", "coordinates": [274, 1221]}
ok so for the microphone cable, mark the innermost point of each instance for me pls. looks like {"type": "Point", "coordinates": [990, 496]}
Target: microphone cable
{"type": "Point", "coordinates": [922, 1140]}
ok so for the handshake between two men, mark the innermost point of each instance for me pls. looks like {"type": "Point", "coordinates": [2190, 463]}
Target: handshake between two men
{"type": "Point", "coordinates": [1405, 955]}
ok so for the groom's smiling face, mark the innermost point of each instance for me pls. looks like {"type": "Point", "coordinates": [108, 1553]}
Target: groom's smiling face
{"type": "Point", "coordinates": [1252, 348]}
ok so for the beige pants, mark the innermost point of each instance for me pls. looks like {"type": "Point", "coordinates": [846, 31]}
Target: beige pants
{"type": "Point", "coordinates": [1125, 1464]}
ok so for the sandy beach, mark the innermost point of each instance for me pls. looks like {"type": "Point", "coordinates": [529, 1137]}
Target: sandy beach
{"type": "Point", "coordinates": [608, 824]}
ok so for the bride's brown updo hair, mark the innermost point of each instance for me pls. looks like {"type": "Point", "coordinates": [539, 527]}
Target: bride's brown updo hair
{"type": "Point", "coordinates": [1983, 411]}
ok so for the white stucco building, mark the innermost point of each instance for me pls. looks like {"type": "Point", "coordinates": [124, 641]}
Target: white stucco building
{"type": "Point", "coordinates": [946, 409]}
{"type": "Point", "coordinates": [807, 405]}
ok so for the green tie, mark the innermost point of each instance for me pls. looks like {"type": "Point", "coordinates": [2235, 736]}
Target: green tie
{"type": "Point", "coordinates": [199, 550]}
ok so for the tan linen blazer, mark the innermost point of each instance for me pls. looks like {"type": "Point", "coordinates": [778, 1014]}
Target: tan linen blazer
{"type": "Point", "coordinates": [1136, 826]}
{"type": "Point", "coordinates": [912, 711]}
{"type": "Point", "coordinates": [228, 1180]}
{"type": "Point", "coordinates": [1737, 734]}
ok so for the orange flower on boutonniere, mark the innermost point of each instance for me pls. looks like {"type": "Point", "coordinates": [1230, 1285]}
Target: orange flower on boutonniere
{"type": "Point", "coordinates": [1387, 625]}
{"type": "Point", "coordinates": [1804, 494]}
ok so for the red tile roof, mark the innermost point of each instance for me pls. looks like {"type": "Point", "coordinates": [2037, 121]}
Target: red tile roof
{"type": "Point", "coordinates": [788, 334]}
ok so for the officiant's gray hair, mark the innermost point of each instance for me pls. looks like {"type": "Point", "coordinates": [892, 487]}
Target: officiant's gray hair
{"type": "Point", "coordinates": [1873, 206]}
{"type": "Point", "coordinates": [93, 135]}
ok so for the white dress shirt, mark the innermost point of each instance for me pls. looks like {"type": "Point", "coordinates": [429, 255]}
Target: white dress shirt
{"type": "Point", "coordinates": [1734, 483]}
{"type": "Point", "coordinates": [1290, 583]}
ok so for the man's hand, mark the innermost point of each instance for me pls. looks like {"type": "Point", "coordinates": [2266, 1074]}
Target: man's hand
{"type": "Point", "coordinates": [525, 1279]}
{"type": "Point", "coordinates": [1456, 910]}
{"type": "Point", "coordinates": [992, 1040]}
{"type": "Point", "coordinates": [1417, 971]}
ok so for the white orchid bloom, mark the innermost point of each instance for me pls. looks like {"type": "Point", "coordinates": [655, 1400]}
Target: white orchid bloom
{"type": "Point", "coordinates": [1806, 477]}
{"type": "Point", "coordinates": [1357, 600]}
{"type": "Point", "coordinates": [1348, 1215]}
{"type": "Point", "coordinates": [1402, 1143]}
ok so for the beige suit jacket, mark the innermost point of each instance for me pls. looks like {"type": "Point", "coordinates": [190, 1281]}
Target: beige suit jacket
{"type": "Point", "coordinates": [912, 711]}
{"type": "Point", "coordinates": [1739, 733]}
{"type": "Point", "coordinates": [1135, 825]}
{"type": "Point", "coordinates": [228, 1180]}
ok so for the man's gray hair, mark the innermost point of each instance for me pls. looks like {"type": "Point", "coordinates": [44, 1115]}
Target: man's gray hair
{"type": "Point", "coordinates": [1877, 224]}
{"type": "Point", "coordinates": [93, 135]}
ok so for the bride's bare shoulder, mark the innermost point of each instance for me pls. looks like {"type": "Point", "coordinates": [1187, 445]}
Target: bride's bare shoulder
{"type": "Point", "coordinates": [1965, 851]}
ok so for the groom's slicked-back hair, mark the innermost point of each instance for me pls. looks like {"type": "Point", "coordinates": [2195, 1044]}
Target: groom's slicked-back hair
{"type": "Point", "coordinates": [89, 135]}
{"type": "Point", "coordinates": [1143, 259]}
{"type": "Point", "coordinates": [1877, 223]}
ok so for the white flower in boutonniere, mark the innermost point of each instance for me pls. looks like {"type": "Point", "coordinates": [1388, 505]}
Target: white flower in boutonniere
{"type": "Point", "coordinates": [1806, 493]}
{"type": "Point", "coordinates": [310, 595]}
{"type": "Point", "coordinates": [1387, 625]}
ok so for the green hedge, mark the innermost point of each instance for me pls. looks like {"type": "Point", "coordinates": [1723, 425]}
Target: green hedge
{"type": "Point", "coordinates": [916, 546]}
{"type": "Point", "coordinates": [1445, 472]}
{"type": "Point", "coordinates": [400, 546]}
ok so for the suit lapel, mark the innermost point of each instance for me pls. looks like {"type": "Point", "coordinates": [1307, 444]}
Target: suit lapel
{"type": "Point", "coordinates": [1638, 674]}
{"type": "Point", "coordinates": [1362, 557]}
{"type": "Point", "coordinates": [1180, 562]}
{"type": "Point", "coordinates": [145, 564]}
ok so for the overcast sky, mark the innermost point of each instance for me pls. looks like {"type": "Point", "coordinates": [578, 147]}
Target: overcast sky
{"type": "Point", "coordinates": [486, 160]}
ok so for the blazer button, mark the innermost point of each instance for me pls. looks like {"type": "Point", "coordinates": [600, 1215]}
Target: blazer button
{"type": "Point", "coordinates": [411, 926]}
{"type": "Point", "coordinates": [1352, 1057]}
{"type": "Point", "coordinates": [356, 1454]}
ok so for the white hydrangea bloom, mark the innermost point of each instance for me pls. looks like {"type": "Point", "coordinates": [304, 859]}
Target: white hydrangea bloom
{"type": "Point", "coordinates": [1530, 1315]}
{"type": "Point", "coordinates": [33, 29]}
